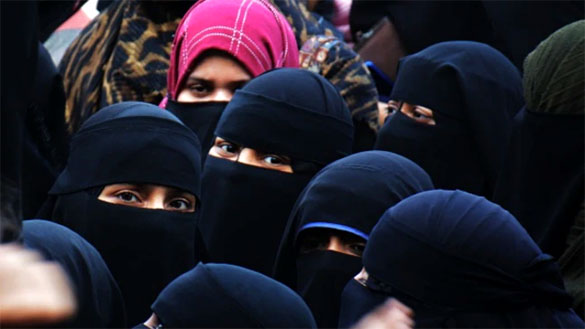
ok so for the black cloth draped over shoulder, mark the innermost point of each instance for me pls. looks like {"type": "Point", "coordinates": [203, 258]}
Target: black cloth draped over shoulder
{"type": "Point", "coordinates": [99, 301]}
{"type": "Point", "coordinates": [287, 112]}
{"type": "Point", "coordinates": [139, 143]}
{"type": "Point", "coordinates": [473, 91]}
{"type": "Point", "coordinates": [349, 195]}
{"type": "Point", "coordinates": [228, 296]}
{"type": "Point", "coordinates": [464, 262]}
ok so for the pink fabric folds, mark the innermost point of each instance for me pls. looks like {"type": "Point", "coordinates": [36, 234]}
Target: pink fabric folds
{"type": "Point", "coordinates": [252, 31]}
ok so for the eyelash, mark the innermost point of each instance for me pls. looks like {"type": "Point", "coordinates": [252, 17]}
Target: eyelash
{"type": "Point", "coordinates": [120, 195]}
{"type": "Point", "coordinates": [183, 201]}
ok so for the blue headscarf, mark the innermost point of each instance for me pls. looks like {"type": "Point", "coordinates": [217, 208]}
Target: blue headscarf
{"type": "Point", "coordinates": [459, 260]}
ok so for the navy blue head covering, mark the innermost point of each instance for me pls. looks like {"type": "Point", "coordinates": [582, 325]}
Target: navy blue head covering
{"type": "Point", "coordinates": [228, 296]}
{"type": "Point", "coordinates": [99, 302]}
{"type": "Point", "coordinates": [348, 195]}
{"type": "Point", "coordinates": [459, 260]}
{"type": "Point", "coordinates": [145, 249]}
{"type": "Point", "coordinates": [289, 112]}
{"type": "Point", "coordinates": [132, 142]}
{"type": "Point", "coordinates": [473, 91]}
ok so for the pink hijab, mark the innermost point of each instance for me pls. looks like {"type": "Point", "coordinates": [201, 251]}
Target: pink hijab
{"type": "Point", "coordinates": [252, 31]}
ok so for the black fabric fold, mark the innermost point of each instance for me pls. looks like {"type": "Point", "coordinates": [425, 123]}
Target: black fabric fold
{"type": "Point", "coordinates": [544, 159]}
{"type": "Point", "coordinates": [228, 296]}
{"type": "Point", "coordinates": [465, 262]}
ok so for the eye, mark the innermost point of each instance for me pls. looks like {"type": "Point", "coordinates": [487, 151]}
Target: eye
{"type": "Point", "coordinates": [357, 248]}
{"type": "Point", "coordinates": [180, 204]}
{"type": "Point", "coordinates": [199, 88]}
{"type": "Point", "coordinates": [128, 196]}
{"type": "Point", "coordinates": [228, 148]}
{"type": "Point", "coordinates": [276, 160]}
{"type": "Point", "coordinates": [392, 107]}
{"type": "Point", "coordinates": [423, 115]}
{"type": "Point", "coordinates": [312, 244]}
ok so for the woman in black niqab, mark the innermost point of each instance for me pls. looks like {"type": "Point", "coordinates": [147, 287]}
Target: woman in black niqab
{"type": "Point", "coordinates": [457, 100]}
{"type": "Point", "coordinates": [294, 120]}
{"type": "Point", "coordinates": [459, 261]}
{"type": "Point", "coordinates": [137, 143]}
{"type": "Point", "coordinates": [344, 199]}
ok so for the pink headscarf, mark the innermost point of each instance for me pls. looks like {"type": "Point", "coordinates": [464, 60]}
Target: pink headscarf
{"type": "Point", "coordinates": [252, 31]}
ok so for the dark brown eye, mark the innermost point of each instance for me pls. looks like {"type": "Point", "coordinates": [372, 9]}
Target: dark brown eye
{"type": "Point", "coordinates": [357, 248]}
{"type": "Point", "coordinates": [180, 204]}
{"type": "Point", "coordinates": [127, 196]}
{"type": "Point", "coordinates": [276, 160]}
{"type": "Point", "coordinates": [228, 147]}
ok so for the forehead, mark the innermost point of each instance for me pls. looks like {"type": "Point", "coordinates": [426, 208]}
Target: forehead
{"type": "Point", "coordinates": [220, 68]}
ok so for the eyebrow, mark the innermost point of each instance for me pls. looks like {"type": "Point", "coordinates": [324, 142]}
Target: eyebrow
{"type": "Point", "coordinates": [192, 79]}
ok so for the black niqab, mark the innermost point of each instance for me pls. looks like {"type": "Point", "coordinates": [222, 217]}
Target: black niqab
{"type": "Point", "coordinates": [464, 262]}
{"type": "Point", "coordinates": [473, 91]}
{"type": "Point", "coordinates": [202, 118]}
{"type": "Point", "coordinates": [132, 142]}
{"type": "Point", "coordinates": [289, 112]}
{"type": "Point", "coordinates": [348, 195]}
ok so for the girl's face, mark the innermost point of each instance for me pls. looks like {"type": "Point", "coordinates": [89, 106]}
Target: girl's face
{"type": "Point", "coordinates": [149, 196]}
{"type": "Point", "coordinates": [237, 153]}
{"type": "Point", "coordinates": [215, 79]}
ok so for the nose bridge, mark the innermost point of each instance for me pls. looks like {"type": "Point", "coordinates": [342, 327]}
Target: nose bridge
{"type": "Point", "coordinates": [246, 156]}
{"type": "Point", "coordinates": [335, 244]}
{"type": "Point", "coordinates": [222, 95]}
{"type": "Point", "coordinates": [157, 200]}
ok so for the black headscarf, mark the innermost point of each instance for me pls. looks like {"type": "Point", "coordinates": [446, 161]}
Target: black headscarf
{"type": "Point", "coordinates": [348, 195]}
{"type": "Point", "coordinates": [99, 301]}
{"type": "Point", "coordinates": [290, 112]}
{"type": "Point", "coordinates": [473, 91]}
{"type": "Point", "coordinates": [132, 142]}
{"type": "Point", "coordinates": [228, 296]}
{"type": "Point", "coordinates": [459, 260]}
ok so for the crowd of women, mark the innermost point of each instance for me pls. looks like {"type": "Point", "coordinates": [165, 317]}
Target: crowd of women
{"type": "Point", "coordinates": [237, 163]}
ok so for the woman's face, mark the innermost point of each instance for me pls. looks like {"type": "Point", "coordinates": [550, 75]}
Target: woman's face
{"type": "Point", "coordinates": [215, 79]}
{"type": "Point", "coordinates": [315, 239]}
{"type": "Point", "coordinates": [149, 196]}
{"type": "Point", "coordinates": [230, 151]}
{"type": "Point", "coordinates": [418, 113]}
